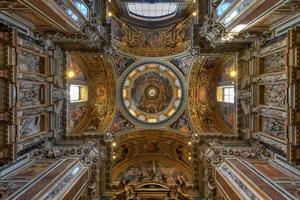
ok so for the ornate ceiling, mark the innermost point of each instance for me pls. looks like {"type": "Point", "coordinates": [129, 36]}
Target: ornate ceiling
{"type": "Point", "coordinates": [96, 114]}
{"type": "Point", "coordinates": [161, 151]}
{"type": "Point", "coordinates": [151, 91]}
{"type": "Point", "coordinates": [149, 105]}
{"type": "Point", "coordinates": [153, 85]}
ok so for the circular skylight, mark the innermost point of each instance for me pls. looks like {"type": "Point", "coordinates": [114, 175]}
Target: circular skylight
{"type": "Point", "coordinates": [152, 11]}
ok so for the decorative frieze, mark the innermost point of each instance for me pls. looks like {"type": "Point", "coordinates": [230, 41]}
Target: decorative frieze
{"type": "Point", "coordinates": [238, 183]}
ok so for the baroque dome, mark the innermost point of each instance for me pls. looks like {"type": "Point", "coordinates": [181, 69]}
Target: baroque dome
{"type": "Point", "coordinates": [151, 92]}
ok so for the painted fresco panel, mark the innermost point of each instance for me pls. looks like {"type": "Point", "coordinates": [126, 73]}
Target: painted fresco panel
{"type": "Point", "coordinates": [76, 113]}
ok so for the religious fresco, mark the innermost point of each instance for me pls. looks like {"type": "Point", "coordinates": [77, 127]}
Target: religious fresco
{"type": "Point", "coordinates": [182, 124]}
{"type": "Point", "coordinates": [141, 147]}
{"type": "Point", "coordinates": [95, 110]}
{"type": "Point", "coordinates": [203, 94]}
{"type": "Point", "coordinates": [77, 110]}
{"type": "Point", "coordinates": [152, 92]}
{"type": "Point", "coordinates": [150, 147]}
{"type": "Point", "coordinates": [121, 63]}
{"type": "Point", "coordinates": [228, 110]}
{"type": "Point", "coordinates": [152, 39]}
{"type": "Point", "coordinates": [76, 113]}
{"type": "Point", "coordinates": [183, 63]}
{"type": "Point", "coordinates": [152, 171]}
{"type": "Point", "coordinates": [99, 108]}
{"type": "Point", "coordinates": [121, 124]}
{"type": "Point", "coordinates": [119, 30]}
{"type": "Point", "coordinates": [101, 92]}
{"type": "Point", "coordinates": [228, 114]}
{"type": "Point", "coordinates": [200, 93]}
{"type": "Point", "coordinates": [79, 74]}
{"type": "Point", "coordinates": [228, 67]}
{"type": "Point", "coordinates": [151, 42]}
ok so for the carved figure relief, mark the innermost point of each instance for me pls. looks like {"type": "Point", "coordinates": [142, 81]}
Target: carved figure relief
{"type": "Point", "coordinates": [274, 95]}
{"type": "Point", "coordinates": [152, 171]}
{"type": "Point", "coordinates": [30, 94]}
{"type": "Point", "coordinates": [58, 93]}
{"type": "Point", "coordinates": [274, 127]}
{"type": "Point", "coordinates": [272, 63]}
{"type": "Point", "coordinates": [31, 63]}
{"type": "Point", "coordinates": [30, 126]}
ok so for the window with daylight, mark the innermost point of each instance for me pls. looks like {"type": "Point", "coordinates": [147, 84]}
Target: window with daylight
{"type": "Point", "coordinates": [226, 94]}
{"type": "Point", "coordinates": [72, 14]}
{"type": "Point", "coordinates": [224, 5]}
{"type": "Point", "coordinates": [78, 93]}
{"type": "Point", "coordinates": [74, 93]}
{"type": "Point", "coordinates": [148, 11]}
{"type": "Point", "coordinates": [81, 7]}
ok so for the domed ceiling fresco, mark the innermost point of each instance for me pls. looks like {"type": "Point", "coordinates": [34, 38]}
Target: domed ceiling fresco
{"type": "Point", "coordinates": [151, 92]}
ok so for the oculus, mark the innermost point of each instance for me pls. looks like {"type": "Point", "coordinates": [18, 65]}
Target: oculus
{"type": "Point", "coordinates": [151, 92]}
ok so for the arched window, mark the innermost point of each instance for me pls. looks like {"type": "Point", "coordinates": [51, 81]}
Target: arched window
{"type": "Point", "coordinates": [152, 11]}
{"type": "Point", "coordinates": [83, 9]}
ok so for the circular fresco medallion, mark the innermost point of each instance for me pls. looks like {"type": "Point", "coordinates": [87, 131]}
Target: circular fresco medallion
{"type": "Point", "coordinates": [152, 92]}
